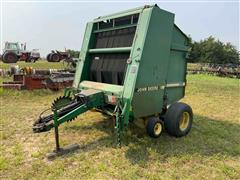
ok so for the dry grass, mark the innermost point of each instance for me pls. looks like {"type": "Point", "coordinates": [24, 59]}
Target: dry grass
{"type": "Point", "coordinates": [210, 151]}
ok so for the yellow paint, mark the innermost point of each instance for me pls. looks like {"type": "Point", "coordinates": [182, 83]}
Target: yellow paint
{"type": "Point", "coordinates": [184, 122]}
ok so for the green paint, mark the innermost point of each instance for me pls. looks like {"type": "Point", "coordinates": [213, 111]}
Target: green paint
{"type": "Point", "coordinates": [157, 60]}
{"type": "Point", "coordinates": [110, 50]}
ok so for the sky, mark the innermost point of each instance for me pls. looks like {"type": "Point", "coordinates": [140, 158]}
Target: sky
{"type": "Point", "coordinates": [49, 25]}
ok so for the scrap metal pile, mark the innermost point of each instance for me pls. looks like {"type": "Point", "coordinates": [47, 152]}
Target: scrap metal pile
{"type": "Point", "coordinates": [223, 70]}
{"type": "Point", "coordinates": [29, 78]}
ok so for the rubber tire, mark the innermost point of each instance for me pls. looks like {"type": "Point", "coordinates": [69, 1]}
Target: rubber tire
{"type": "Point", "coordinates": [173, 117]}
{"type": "Point", "coordinates": [36, 59]}
{"type": "Point", "coordinates": [54, 57]}
{"type": "Point", "coordinates": [6, 56]}
{"type": "Point", "coordinates": [150, 126]}
{"type": "Point", "coordinates": [48, 57]}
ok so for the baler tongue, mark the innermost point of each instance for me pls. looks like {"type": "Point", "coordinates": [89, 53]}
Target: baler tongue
{"type": "Point", "coordinates": [45, 123]}
{"type": "Point", "coordinates": [65, 109]}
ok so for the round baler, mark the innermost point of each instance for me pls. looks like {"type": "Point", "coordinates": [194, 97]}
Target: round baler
{"type": "Point", "coordinates": [132, 66]}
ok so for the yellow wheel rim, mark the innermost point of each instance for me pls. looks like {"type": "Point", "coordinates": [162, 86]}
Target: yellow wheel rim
{"type": "Point", "coordinates": [157, 128]}
{"type": "Point", "coordinates": [184, 122]}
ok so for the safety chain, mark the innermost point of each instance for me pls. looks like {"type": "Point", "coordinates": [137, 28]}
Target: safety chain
{"type": "Point", "coordinates": [118, 127]}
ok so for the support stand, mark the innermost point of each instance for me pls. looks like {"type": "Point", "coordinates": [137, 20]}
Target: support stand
{"type": "Point", "coordinates": [57, 139]}
{"type": "Point", "coordinates": [60, 151]}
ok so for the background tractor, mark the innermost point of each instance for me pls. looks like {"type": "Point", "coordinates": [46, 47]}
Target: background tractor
{"type": "Point", "coordinates": [69, 59]}
{"type": "Point", "coordinates": [57, 56]}
{"type": "Point", "coordinates": [12, 53]}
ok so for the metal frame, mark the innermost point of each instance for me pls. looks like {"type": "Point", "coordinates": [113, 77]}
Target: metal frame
{"type": "Point", "coordinates": [148, 74]}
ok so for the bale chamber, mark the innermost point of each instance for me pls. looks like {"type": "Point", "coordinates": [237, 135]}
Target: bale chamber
{"type": "Point", "coordinates": [132, 66]}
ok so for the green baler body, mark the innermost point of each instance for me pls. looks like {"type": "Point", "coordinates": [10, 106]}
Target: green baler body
{"type": "Point", "coordinates": [154, 60]}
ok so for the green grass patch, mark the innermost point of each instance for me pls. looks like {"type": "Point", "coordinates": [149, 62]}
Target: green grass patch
{"type": "Point", "coordinates": [41, 64]}
{"type": "Point", "coordinates": [210, 151]}
{"type": "Point", "coordinates": [3, 163]}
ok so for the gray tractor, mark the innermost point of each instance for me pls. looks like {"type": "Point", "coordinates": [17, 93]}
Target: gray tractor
{"type": "Point", "coordinates": [12, 53]}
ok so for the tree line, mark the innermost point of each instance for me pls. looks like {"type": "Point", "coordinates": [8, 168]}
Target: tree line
{"type": "Point", "coordinates": [211, 50]}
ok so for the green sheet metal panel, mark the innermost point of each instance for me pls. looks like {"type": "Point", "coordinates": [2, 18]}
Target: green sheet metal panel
{"type": "Point", "coordinates": [176, 76]}
{"type": "Point", "coordinates": [152, 73]}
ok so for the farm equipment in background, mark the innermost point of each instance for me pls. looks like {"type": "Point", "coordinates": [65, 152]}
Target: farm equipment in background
{"type": "Point", "coordinates": [34, 55]}
{"type": "Point", "coordinates": [59, 80]}
{"type": "Point", "coordinates": [57, 56]}
{"type": "Point", "coordinates": [132, 67]}
{"type": "Point", "coordinates": [69, 62]}
{"type": "Point", "coordinates": [222, 70]}
{"type": "Point", "coordinates": [12, 53]}
{"type": "Point", "coordinates": [30, 79]}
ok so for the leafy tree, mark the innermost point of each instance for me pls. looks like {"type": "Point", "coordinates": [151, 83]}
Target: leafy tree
{"type": "Point", "coordinates": [214, 51]}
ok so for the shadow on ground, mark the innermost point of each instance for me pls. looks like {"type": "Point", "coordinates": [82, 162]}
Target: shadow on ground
{"type": "Point", "coordinates": [208, 137]}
